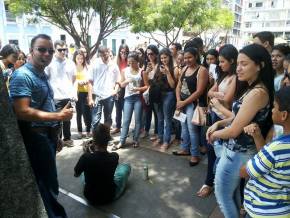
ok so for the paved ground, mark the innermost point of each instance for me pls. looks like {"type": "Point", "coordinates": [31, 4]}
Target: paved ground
{"type": "Point", "coordinates": [170, 192]}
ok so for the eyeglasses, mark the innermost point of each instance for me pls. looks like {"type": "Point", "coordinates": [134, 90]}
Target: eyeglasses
{"type": "Point", "coordinates": [123, 52]}
{"type": "Point", "coordinates": [61, 49]}
{"type": "Point", "coordinates": [150, 54]}
{"type": "Point", "coordinates": [44, 50]}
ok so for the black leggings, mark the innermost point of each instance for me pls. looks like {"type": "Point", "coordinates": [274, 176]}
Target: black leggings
{"type": "Point", "coordinates": [84, 110]}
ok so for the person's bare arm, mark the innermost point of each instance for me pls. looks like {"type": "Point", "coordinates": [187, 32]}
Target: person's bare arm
{"type": "Point", "coordinates": [229, 94]}
{"type": "Point", "coordinates": [212, 90]}
{"type": "Point", "coordinates": [243, 172]}
{"type": "Point", "coordinates": [90, 93]}
{"type": "Point", "coordinates": [202, 82]}
{"type": "Point", "coordinates": [23, 111]}
{"type": "Point", "coordinates": [252, 103]}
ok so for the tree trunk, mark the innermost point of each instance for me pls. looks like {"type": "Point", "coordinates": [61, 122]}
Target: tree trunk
{"type": "Point", "coordinates": [19, 195]}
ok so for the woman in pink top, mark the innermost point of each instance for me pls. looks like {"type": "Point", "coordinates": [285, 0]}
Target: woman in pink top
{"type": "Point", "coordinates": [122, 62]}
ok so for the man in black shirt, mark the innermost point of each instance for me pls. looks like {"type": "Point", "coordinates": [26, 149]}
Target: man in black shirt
{"type": "Point", "coordinates": [105, 180]}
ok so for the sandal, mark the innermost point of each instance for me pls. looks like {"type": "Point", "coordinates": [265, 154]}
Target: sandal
{"type": "Point", "coordinates": [180, 153]}
{"type": "Point", "coordinates": [204, 191]}
{"type": "Point", "coordinates": [117, 147]}
{"type": "Point", "coordinates": [157, 143]}
{"type": "Point", "coordinates": [135, 144]}
{"type": "Point", "coordinates": [153, 138]}
{"type": "Point", "coordinates": [164, 147]}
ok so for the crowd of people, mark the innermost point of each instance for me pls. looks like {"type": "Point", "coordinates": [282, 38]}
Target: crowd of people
{"type": "Point", "coordinates": [244, 97]}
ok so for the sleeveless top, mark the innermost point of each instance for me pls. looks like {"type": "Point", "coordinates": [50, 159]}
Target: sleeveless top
{"type": "Point", "coordinates": [162, 82]}
{"type": "Point", "coordinates": [188, 86]}
{"type": "Point", "coordinates": [136, 82]}
{"type": "Point", "coordinates": [245, 142]}
{"type": "Point", "coordinates": [222, 87]}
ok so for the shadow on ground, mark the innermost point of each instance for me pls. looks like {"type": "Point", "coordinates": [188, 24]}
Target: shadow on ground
{"type": "Point", "coordinates": [170, 191]}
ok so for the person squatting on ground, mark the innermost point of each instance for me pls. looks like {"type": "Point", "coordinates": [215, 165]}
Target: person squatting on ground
{"type": "Point", "coordinates": [33, 103]}
{"type": "Point", "coordinates": [104, 179]}
{"type": "Point", "coordinates": [252, 103]}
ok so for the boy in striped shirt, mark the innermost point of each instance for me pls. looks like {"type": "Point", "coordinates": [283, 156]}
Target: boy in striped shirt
{"type": "Point", "coordinates": [267, 193]}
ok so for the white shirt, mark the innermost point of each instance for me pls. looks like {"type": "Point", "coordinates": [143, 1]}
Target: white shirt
{"type": "Point", "coordinates": [135, 82]}
{"type": "Point", "coordinates": [61, 74]}
{"type": "Point", "coordinates": [104, 78]}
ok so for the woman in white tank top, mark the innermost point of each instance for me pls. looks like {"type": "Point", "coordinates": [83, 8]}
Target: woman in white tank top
{"type": "Point", "coordinates": [131, 80]}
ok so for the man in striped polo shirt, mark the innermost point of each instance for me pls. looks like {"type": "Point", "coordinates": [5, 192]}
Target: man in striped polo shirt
{"type": "Point", "coordinates": [267, 193]}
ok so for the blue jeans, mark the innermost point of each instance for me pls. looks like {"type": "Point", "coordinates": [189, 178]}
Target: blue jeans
{"type": "Point", "coordinates": [227, 181]}
{"type": "Point", "coordinates": [41, 149]}
{"type": "Point", "coordinates": [165, 111]}
{"type": "Point", "coordinates": [132, 103]}
{"type": "Point", "coordinates": [106, 105]}
{"type": "Point", "coordinates": [121, 176]}
{"type": "Point", "coordinates": [190, 133]}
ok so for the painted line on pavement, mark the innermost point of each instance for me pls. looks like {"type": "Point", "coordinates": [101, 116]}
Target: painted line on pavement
{"type": "Point", "coordinates": [82, 201]}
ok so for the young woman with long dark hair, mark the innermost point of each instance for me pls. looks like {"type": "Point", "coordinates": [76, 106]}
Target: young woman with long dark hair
{"type": "Point", "coordinates": [252, 103]}
{"type": "Point", "coordinates": [122, 62]}
{"type": "Point", "coordinates": [165, 79]}
{"type": "Point", "coordinates": [82, 107]}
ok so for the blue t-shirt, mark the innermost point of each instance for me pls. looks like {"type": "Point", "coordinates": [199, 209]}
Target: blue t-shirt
{"type": "Point", "coordinates": [28, 82]}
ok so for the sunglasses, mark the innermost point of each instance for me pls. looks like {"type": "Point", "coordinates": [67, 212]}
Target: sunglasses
{"type": "Point", "coordinates": [150, 54]}
{"type": "Point", "coordinates": [61, 49]}
{"type": "Point", "coordinates": [44, 50]}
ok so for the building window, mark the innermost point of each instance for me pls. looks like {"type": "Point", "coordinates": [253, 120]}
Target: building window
{"type": "Point", "coordinates": [9, 16]}
{"type": "Point", "coordinates": [90, 40]}
{"type": "Point", "coordinates": [259, 4]}
{"type": "Point", "coordinates": [250, 5]}
{"type": "Point", "coordinates": [105, 42]}
{"type": "Point", "coordinates": [123, 41]}
{"type": "Point", "coordinates": [63, 38]}
{"type": "Point", "coordinates": [114, 46]}
{"type": "Point", "coordinates": [248, 24]}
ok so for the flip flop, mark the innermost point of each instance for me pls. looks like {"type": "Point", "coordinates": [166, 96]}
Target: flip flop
{"type": "Point", "coordinates": [204, 191]}
{"type": "Point", "coordinates": [178, 153]}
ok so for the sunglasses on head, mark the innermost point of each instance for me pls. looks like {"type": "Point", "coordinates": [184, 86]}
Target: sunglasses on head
{"type": "Point", "coordinates": [61, 49]}
{"type": "Point", "coordinates": [44, 50]}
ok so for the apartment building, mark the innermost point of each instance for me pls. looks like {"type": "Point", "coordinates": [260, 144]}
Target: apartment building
{"type": "Point", "coordinates": [236, 6]}
{"type": "Point", "coordinates": [267, 15]}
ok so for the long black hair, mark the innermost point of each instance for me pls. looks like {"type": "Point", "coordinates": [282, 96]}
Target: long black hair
{"type": "Point", "coordinates": [230, 53]}
{"type": "Point", "coordinates": [155, 50]}
{"type": "Point", "coordinates": [167, 52]}
{"type": "Point", "coordinates": [212, 52]}
{"type": "Point", "coordinates": [261, 57]}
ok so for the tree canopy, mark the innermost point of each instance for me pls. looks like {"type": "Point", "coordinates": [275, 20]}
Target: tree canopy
{"type": "Point", "coordinates": [77, 18]}
{"type": "Point", "coordinates": [171, 16]}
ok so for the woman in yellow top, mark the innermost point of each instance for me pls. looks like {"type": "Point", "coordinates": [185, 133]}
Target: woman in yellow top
{"type": "Point", "coordinates": [82, 108]}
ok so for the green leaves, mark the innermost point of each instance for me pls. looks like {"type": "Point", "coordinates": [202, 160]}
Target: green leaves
{"type": "Point", "coordinates": [169, 16]}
